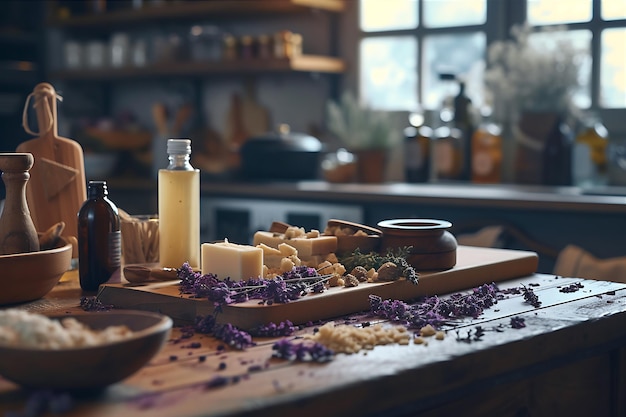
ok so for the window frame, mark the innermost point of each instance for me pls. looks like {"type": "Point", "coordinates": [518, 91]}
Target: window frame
{"type": "Point", "coordinates": [501, 16]}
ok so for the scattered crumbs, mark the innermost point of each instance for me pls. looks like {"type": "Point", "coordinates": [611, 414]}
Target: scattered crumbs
{"type": "Point", "coordinates": [609, 301]}
{"type": "Point", "coordinates": [236, 379]}
{"type": "Point", "coordinates": [366, 324]}
{"type": "Point", "coordinates": [220, 348]}
{"type": "Point", "coordinates": [201, 358]}
{"type": "Point", "coordinates": [427, 331]}
{"type": "Point", "coordinates": [440, 335]}
{"type": "Point", "coordinates": [534, 284]}
{"type": "Point", "coordinates": [157, 382]}
{"type": "Point", "coordinates": [610, 293]}
{"type": "Point", "coordinates": [193, 345]}
{"type": "Point", "coordinates": [572, 287]}
{"type": "Point", "coordinates": [497, 310]}
{"type": "Point", "coordinates": [223, 356]}
{"type": "Point", "coordinates": [221, 366]}
{"type": "Point", "coordinates": [173, 358]}
{"type": "Point", "coordinates": [418, 341]}
{"type": "Point", "coordinates": [189, 353]}
{"type": "Point", "coordinates": [517, 322]}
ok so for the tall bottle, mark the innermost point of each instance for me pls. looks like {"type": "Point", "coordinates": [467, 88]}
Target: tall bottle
{"type": "Point", "coordinates": [417, 138]}
{"type": "Point", "coordinates": [487, 151]}
{"type": "Point", "coordinates": [463, 121]}
{"type": "Point", "coordinates": [179, 208]}
{"type": "Point", "coordinates": [589, 164]}
{"type": "Point", "coordinates": [99, 238]}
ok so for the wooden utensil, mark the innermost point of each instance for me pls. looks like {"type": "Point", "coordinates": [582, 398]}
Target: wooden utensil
{"type": "Point", "coordinates": [57, 187]}
{"type": "Point", "coordinates": [356, 226]}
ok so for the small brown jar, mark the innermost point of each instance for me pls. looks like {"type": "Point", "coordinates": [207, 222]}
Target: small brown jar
{"type": "Point", "coordinates": [433, 247]}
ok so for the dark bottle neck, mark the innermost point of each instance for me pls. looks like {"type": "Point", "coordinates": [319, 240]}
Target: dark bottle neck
{"type": "Point", "coordinates": [97, 189]}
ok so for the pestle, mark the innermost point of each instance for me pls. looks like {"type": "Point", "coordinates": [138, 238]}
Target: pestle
{"type": "Point", "coordinates": [17, 230]}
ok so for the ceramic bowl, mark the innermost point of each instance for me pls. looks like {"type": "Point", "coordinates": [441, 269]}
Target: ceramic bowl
{"type": "Point", "coordinates": [29, 276]}
{"type": "Point", "coordinates": [88, 368]}
{"type": "Point", "coordinates": [433, 247]}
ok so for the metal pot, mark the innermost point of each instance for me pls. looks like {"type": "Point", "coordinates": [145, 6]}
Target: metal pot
{"type": "Point", "coordinates": [282, 155]}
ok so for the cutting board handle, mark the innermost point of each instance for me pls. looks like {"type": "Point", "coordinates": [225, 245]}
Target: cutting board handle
{"type": "Point", "coordinates": [45, 105]}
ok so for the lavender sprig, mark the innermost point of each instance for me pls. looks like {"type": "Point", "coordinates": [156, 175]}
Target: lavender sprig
{"type": "Point", "coordinates": [303, 352]}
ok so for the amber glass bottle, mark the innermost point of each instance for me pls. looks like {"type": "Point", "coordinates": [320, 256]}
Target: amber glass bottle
{"type": "Point", "coordinates": [99, 238]}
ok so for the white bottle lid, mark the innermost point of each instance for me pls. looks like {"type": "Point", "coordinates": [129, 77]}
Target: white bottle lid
{"type": "Point", "coordinates": [179, 146]}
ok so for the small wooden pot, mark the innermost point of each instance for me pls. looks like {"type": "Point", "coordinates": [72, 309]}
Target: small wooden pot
{"type": "Point", "coordinates": [433, 247]}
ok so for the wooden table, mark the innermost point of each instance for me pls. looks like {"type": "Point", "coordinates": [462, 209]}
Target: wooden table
{"type": "Point", "coordinates": [569, 360]}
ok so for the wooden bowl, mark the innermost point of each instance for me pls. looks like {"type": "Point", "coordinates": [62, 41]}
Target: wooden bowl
{"type": "Point", "coordinates": [94, 367]}
{"type": "Point", "coordinates": [31, 275]}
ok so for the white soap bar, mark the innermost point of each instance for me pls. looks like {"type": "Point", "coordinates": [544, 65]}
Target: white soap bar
{"type": "Point", "coordinates": [225, 259]}
{"type": "Point", "coordinates": [306, 246]}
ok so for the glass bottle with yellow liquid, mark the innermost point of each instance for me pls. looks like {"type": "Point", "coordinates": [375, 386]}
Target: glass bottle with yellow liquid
{"type": "Point", "coordinates": [589, 156]}
{"type": "Point", "coordinates": [179, 208]}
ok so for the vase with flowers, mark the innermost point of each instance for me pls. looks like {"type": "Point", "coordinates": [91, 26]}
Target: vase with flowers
{"type": "Point", "coordinates": [531, 86]}
{"type": "Point", "coordinates": [365, 132]}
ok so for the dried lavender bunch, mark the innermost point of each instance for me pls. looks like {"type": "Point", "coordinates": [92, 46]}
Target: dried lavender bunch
{"type": "Point", "coordinates": [434, 310]}
{"type": "Point", "coordinates": [291, 285]}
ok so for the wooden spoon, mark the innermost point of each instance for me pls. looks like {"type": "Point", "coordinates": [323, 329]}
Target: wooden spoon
{"type": "Point", "coordinates": [146, 272]}
{"type": "Point", "coordinates": [356, 226]}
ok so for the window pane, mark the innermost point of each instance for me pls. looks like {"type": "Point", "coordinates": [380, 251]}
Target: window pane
{"type": "Point", "coordinates": [613, 9]}
{"type": "Point", "coordinates": [389, 72]}
{"type": "Point", "coordinates": [459, 54]}
{"type": "Point", "coordinates": [444, 13]}
{"type": "Point", "coordinates": [377, 15]}
{"type": "Point", "coordinates": [580, 40]}
{"type": "Point", "coordinates": [546, 12]}
{"type": "Point", "coordinates": [613, 68]}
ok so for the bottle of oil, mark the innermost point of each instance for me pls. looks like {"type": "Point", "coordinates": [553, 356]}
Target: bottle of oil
{"type": "Point", "coordinates": [179, 208]}
{"type": "Point", "coordinates": [99, 238]}
{"type": "Point", "coordinates": [589, 154]}
{"type": "Point", "coordinates": [487, 151]}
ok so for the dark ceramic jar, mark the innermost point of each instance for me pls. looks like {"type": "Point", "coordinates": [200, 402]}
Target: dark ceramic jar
{"type": "Point", "coordinates": [433, 247]}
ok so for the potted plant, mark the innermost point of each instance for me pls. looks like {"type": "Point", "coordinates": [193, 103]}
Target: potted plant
{"type": "Point", "coordinates": [365, 132]}
{"type": "Point", "coordinates": [532, 87]}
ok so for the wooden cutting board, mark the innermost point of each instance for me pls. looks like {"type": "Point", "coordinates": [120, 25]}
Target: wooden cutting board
{"type": "Point", "coordinates": [57, 187]}
{"type": "Point", "coordinates": [475, 266]}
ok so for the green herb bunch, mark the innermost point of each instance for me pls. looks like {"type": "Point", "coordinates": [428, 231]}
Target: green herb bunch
{"type": "Point", "coordinates": [376, 260]}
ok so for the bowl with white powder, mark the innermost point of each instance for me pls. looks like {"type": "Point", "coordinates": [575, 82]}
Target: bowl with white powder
{"type": "Point", "coordinates": [79, 351]}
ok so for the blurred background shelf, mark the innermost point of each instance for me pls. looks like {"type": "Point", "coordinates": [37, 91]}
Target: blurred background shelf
{"type": "Point", "coordinates": [191, 10]}
{"type": "Point", "coordinates": [303, 63]}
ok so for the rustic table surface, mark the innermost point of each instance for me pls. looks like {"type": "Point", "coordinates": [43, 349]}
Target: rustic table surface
{"type": "Point", "coordinates": [569, 359]}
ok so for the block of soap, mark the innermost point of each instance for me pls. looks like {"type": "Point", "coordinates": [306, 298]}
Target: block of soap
{"type": "Point", "coordinates": [225, 259]}
{"type": "Point", "coordinates": [306, 246]}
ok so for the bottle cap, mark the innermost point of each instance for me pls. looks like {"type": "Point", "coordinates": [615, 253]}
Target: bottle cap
{"type": "Point", "coordinates": [179, 146]}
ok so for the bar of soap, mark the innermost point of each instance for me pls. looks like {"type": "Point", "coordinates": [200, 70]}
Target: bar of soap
{"type": "Point", "coordinates": [306, 246]}
{"type": "Point", "coordinates": [225, 259]}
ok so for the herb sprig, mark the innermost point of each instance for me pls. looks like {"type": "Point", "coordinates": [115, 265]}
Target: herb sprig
{"type": "Point", "coordinates": [376, 260]}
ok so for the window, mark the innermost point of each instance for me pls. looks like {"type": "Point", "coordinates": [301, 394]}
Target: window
{"type": "Point", "coordinates": [405, 46]}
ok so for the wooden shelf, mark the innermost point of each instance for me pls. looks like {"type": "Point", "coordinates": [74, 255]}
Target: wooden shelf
{"type": "Point", "coordinates": [304, 63]}
{"type": "Point", "coordinates": [196, 10]}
